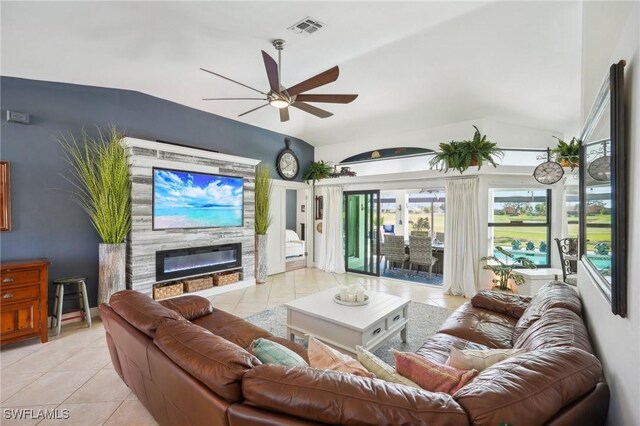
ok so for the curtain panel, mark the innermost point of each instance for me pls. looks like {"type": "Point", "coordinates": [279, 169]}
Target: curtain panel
{"type": "Point", "coordinates": [331, 256]}
{"type": "Point", "coordinates": [461, 261]}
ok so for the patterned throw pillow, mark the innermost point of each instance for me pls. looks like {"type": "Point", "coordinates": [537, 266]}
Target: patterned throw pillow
{"type": "Point", "coordinates": [323, 356]}
{"type": "Point", "coordinates": [381, 369]}
{"type": "Point", "coordinates": [431, 376]}
{"type": "Point", "coordinates": [274, 353]}
{"type": "Point", "coordinates": [469, 359]}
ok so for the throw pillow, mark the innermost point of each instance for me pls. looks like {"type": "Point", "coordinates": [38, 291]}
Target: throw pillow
{"type": "Point", "coordinates": [431, 376]}
{"type": "Point", "coordinates": [381, 369]}
{"type": "Point", "coordinates": [470, 359]}
{"type": "Point", "coordinates": [274, 353]}
{"type": "Point", "coordinates": [323, 356]}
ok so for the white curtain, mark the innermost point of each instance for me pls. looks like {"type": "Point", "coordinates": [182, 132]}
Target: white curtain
{"type": "Point", "coordinates": [461, 259]}
{"type": "Point", "coordinates": [331, 256]}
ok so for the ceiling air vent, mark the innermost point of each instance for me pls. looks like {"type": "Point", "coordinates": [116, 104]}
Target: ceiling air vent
{"type": "Point", "coordinates": [308, 25]}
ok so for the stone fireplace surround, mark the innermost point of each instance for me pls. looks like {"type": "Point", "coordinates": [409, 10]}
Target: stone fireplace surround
{"type": "Point", "coordinates": [143, 242]}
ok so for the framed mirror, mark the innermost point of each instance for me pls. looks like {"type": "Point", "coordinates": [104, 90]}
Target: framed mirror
{"type": "Point", "coordinates": [603, 192]}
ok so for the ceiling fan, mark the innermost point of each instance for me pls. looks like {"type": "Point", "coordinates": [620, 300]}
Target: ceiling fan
{"type": "Point", "coordinates": [281, 97]}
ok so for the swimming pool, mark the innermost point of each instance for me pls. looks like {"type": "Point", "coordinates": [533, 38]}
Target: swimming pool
{"type": "Point", "coordinates": [539, 258]}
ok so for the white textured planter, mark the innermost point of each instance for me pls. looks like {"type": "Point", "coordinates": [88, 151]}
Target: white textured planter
{"type": "Point", "coordinates": [112, 276]}
{"type": "Point", "coordinates": [261, 259]}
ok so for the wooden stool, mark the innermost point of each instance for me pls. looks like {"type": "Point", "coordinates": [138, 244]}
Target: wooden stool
{"type": "Point", "coordinates": [80, 294]}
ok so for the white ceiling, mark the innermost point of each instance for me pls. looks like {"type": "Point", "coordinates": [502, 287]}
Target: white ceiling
{"type": "Point", "coordinates": [413, 64]}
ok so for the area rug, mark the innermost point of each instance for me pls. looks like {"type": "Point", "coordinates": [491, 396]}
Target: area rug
{"type": "Point", "coordinates": [424, 321]}
{"type": "Point", "coordinates": [420, 278]}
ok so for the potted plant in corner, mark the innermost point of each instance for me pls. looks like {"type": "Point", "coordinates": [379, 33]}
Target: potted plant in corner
{"type": "Point", "coordinates": [100, 173]}
{"type": "Point", "coordinates": [567, 154]}
{"type": "Point", "coordinates": [505, 271]}
{"type": "Point", "coordinates": [462, 155]}
{"type": "Point", "coordinates": [317, 170]}
{"type": "Point", "coordinates": [262, 219]}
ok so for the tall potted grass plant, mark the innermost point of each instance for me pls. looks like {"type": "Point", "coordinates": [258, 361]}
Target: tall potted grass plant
{"type": "Point", "coordinates": [262, 219]}
{"type": "Point", "coordinates": [99, 171]}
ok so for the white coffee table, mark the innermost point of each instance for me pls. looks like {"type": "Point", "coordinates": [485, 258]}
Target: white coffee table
{"type": "Point", "coordinates": [344, 327]}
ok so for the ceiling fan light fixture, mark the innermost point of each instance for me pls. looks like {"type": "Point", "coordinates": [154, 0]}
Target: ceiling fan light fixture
{"type": "Point", "coordinates": [278, 103]}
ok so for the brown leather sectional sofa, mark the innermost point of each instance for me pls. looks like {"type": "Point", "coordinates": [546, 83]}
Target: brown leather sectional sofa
{"type": "Point", "coordinates": [187, 363]}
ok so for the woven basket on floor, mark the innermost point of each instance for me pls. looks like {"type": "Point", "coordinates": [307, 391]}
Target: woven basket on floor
{"type": "Point", "coordinates": [167, 291]}
{"type": "Point", "coordinates": [226, 278]}
{"type": "Point", "coordinates": [197, 284]}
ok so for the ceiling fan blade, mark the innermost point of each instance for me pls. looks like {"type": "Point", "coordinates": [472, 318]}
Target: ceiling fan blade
{"type": "Point", "coordinates": [335, 99]}
{"type": "Point", "coordinates": [312, 110]}
{"type": "Point", "coordinates": [251, 110]}
{"type": "Point", "coordinates": [234, 99]}
{"type": "Point", "coordinates": [272, 71]}
{"type": "Point", "coordinates": [284, 114]}
{"type": "Point", "coordinates": [321, 79]}
{"type": "Point", "coordinates": [233, 81]}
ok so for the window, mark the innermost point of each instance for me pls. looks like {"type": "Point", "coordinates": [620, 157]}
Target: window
{"type": "Point", "coordinates": [426, 211]}
{"type": "Point", "coordinates": [423, 212]}
{"type": "Point", "coordinates": [520, 223]}
{"type": "Point", "coordinates": [572, 203]}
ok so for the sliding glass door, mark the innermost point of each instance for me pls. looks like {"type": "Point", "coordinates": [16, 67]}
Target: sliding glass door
{"type": "Point", "coordinates": [361, 242]}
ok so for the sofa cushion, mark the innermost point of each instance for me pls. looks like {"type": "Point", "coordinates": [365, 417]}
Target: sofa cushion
{"type": "Point", "coordinates": [482, 326]}
{"type": "Point", "coordinates": [141, 311]}
{"type": "Point", "coordinates": [437, 348]}
{"type": "Point", "coordinates": [269, 352]}
{"type": "Point", "coordinates": [529, 388]}
{"type": "Point", "coordinates": [503, 302]}
{"type": "Point", "coordinates": [189, 306]}
{"type": "Point", "coordinates": [557, 328]}
{"type": "Point", "coordinates": [213, 360]}
{"type": "Point", "coordinates": [324, 356]}
{"type": "Point", "coordinates": [430, 375]}
{"type": "Point", "coordinates": [480, 360]}
{"type": "Point", "coordinates": [381, 369]}
{"type": "Point", "coordinates": [336, 398]}
{"type": "Point", "coordinates": [554, 294]}
{"type": "Point", "coordinates": [241, 332]}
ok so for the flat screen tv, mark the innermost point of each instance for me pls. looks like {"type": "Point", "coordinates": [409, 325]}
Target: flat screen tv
{"type": "Point", "coordinates": [185, 199]}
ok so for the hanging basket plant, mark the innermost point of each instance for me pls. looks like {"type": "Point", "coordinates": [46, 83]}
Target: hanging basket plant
{"type": "Point", "coordinates": [567, 154]}
{"type": "Point", "coordinates": [462, 155]}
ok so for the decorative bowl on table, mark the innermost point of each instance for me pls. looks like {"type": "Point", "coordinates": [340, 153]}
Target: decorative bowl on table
{"type": "Point", "coordinates": [337, 299]}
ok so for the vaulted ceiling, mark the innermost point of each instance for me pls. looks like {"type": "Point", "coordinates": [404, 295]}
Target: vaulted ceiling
{"type": "Point", "coordinates": [413, 64]}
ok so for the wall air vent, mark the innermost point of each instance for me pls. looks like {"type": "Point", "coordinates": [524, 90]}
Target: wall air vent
{"type": "Point", "coordinates": [307, 26]}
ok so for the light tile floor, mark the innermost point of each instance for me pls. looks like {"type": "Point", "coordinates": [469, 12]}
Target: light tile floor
{"type": "Point", "coordinates": [73, 371]}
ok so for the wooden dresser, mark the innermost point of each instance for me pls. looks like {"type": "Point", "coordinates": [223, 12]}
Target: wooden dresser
{"type": "Point", "coordinates": [23, 300]}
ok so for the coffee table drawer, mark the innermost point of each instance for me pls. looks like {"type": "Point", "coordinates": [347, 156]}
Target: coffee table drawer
{"type": "Point", "coordinates": [375, 331]}
{"type": "Point", "coordinates": [396, 317]}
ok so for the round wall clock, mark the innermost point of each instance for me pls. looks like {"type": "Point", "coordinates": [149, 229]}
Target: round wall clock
{"type": "Point", "coordinates": [548, 173]}
{"type": "Point", "coordinates": [287, 163]}
{"type": "Point", "coordinates": [600, 169]}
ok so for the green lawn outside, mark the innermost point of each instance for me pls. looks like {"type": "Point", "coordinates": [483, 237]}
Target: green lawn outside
{"type": "Point", "coordinates": [504, 236]}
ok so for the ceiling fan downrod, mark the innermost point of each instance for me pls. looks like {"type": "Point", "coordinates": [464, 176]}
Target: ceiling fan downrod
{"type": "Point", "coordinates": [279, 45]}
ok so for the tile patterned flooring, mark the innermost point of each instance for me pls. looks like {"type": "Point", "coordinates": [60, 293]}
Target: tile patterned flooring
{"type": "Point", "coordinates": [73, 371]}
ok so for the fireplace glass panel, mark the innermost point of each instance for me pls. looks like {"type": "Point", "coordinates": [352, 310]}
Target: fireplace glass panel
{"type": "Point", "coordinates": [199, 260]}
{"type": "Point", "coordinates": [178, 263]}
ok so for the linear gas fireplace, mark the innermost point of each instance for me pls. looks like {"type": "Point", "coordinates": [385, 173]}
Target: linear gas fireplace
{"type": "Point", "coordinates": [179, 263]}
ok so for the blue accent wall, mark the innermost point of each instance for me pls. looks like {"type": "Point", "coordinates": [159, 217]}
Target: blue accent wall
{"type": "Point", "coordinates": [45, 220]}
{"type": "Point", "coordinates": [292, 201]}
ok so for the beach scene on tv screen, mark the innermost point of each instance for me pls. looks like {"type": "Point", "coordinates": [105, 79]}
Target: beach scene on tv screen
{"type": "Point", "coordinates": [195, 200]}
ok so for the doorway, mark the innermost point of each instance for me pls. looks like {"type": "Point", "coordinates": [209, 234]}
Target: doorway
{"type": "Point", "coordinates": [361, 236]}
